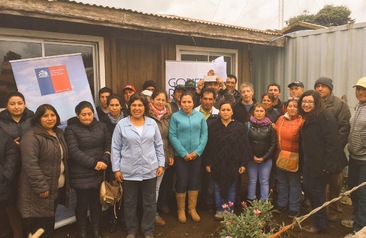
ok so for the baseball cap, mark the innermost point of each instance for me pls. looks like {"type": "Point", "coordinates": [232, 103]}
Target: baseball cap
{"type": "Point", "coordinates": [190, 84]}
{"type": "Point", "coordinates": [180, 87]}
{"type": "Point", "coordinates": [129, 86]}
{"type": "Point", "coordinates": [361, 82]}
{"type": "Point", "coordinates": [296, 83]}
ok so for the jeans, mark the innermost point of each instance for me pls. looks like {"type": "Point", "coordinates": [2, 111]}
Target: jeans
{"type": "Point", "coordinates": [207, 188]}
{"type": "Point", "coordinates": [288, 189]}
{"type": "Point", "coordinates": [188, 174]}
{"type": "Point", "coordinates": [314, 187]}
{"type": "Point", "coordinates": [230, 196]}
{"type": "Point", "coordinates": [148, 193]}
{"type": "Point", "coordinates": [356, 176]}
{"type": "Point", "coordinates": [88, 199]}
{"type": "Point", "coordinates": [263, 171]}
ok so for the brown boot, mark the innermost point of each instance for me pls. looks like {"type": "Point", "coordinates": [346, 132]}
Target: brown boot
{"type": "Point", "coordinates": [181, 207]}
{"type": "Point", "coordinates": [192, 202]}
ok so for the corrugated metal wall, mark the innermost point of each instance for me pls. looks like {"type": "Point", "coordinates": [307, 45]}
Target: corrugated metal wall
{"type": "Point", "coordinates": [338, 53]}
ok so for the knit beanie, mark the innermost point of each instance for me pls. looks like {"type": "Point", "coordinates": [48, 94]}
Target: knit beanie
{"type": "Point", "coordinates": [325, 81]}
{"type": "Point", "coordinates": [149, 83]}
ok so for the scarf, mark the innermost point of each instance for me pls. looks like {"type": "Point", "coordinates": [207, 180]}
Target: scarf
{"type": "Point", "coordinates": [264, 122]}
{"type": "Point", "coordinates": [156, 112]}
{"type": "Point", "coordinates": [115, 120]}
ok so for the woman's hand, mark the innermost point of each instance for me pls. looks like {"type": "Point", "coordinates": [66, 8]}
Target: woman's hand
{"type": "Point", "coordinates": [160, 171]}
{"type": "Point", "coordinates": [241, 170]}
{"type": "Point", "coordinates": [208, 169]}
{"type": "Point", "coordinates": [187, 157]}
{"type": "Point", "coordinates": [258, 160]}
{"type": "Point", "coordinates": [193, 155]}
{"type": "Point", "coordinates": [171, 161]}
{"type": "Point", "coordinates": [118, 176]}
{"type": "Point", "coordinates": [100, 166]}
{"type": "Point", "coordinates": [17, 140]}
{"type": "Point", "coordinates": [44, 194]}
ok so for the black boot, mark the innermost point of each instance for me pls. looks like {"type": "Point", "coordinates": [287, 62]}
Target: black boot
{"type": "Point", "coordinates": [82, 223]}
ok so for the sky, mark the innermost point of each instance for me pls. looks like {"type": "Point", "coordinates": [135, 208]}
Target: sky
{"type": "Point", "coordinates": [257, 14]}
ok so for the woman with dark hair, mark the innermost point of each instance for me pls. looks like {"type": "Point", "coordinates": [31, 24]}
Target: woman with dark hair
{"type": "Point", "coordinates": [43, 180]}
{"type": "Point", "coordinates": [188, 135]}
{"type": "Point", "coordinates": [262, 138]}
{"type": "Point", "coordinates": [288, 129]}
{"type": "Point", "coordinates": [322, 154]}
{"type": "Point", "coordinates": [16, 118]}
{"type": "Point", "coordinates": [114, 114]}
{"type": "Point", "coordinates": [89, 144]}
{"type": "Point", "coordinates": [272, 113]}
{"type": "Point", "coordinates": [137, 159]}
{"type": "Point", "coordinates": [161, 112]}
{"type": "Point", "coordinates": [226, 156]}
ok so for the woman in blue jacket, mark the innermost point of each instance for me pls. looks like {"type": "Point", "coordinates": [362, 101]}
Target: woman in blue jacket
{"type": "Point", "coordinates": [188, 134]}
{"type": "Point", "coordinates": [137, 159]}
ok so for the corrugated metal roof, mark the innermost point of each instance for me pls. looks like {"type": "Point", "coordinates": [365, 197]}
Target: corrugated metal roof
{"type": "Point", "coordinates": [174, 17]}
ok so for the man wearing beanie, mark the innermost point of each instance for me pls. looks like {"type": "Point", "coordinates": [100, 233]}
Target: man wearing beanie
{"type": "Point", "coordinates": [340, 110]}
{"type": "Point", "coordinates": [149, 85]}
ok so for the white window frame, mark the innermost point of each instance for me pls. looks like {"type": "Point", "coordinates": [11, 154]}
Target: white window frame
{"type": "Point", "coordinates": [181, 49]}
{"type": "Point", "coordinates": [43, 37]}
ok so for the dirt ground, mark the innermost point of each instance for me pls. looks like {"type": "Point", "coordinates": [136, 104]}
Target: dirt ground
{"type": "Point", "coordinates": [208, 227]}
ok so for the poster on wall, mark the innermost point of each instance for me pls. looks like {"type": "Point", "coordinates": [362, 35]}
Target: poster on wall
{"type": "Point", "coordinates": [57, 80]}
{"type": "Point", "coordinates": [178, 72]}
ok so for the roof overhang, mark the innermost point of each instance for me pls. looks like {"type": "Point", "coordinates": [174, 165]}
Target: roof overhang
{"type": "Point", "coordinates": [127, 19]}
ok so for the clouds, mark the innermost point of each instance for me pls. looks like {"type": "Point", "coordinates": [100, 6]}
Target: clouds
{"type": "Point", "coordinates": [258, 14]}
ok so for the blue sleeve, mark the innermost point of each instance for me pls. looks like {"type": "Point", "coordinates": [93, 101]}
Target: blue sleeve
{"type": "Point", "coordinates": [173, 137]}
{"type": "Point", "coordinates": [116, 148]}
{"type": "Point", "coordinates": [203, 137]}
{"type": "Point", "coordinates": [159, 149]}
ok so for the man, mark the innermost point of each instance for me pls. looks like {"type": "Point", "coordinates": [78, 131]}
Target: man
{"type": "Point", "coordinates": [231, 81]}
{"type": "Point", "coordinates": [340, 110]}
{"type": "Point", "coordinates": [275, 90]}
{"type": "Point", "coordinates": [102, 109]}
{"type": "Point", "coordinates": [216, 83]}
{"type": "Point", "coordinates": [149, 85]}
{"type": "Point", "coordinates": [211, 114]}
{"type": "Point", "coordinates": [296, 89]}
{"type": "Point", "coordinates": [357, 157]}
{"type": "Point", "coordinates": [175, 103]}
{"type": "Point", "coordinates": [244, 107]}
{"type": "Point", "coordinates": [127, 92]}
{"type": "Point", "coordinates": [190, 86]}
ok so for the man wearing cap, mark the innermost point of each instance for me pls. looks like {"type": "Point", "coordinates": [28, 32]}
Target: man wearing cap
{"type": "Point", "coordinates": [296, 89]}
{"type": "Point", "coordinates": [102, 109]}
{"type": "Point", "coordinates": [357, 157]}
{"type": "Point", "coordinates": [340, 110]}
{"type": "Point", "coordinates": [175, 103]}
{"type": "Point", "coordinates": [149, 85]}
{"type": "Point", "coordinates": [127, 92]}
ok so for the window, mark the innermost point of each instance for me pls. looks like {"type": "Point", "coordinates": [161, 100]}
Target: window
{"type": "Point", "coordinates": [203, 54]}
{"type": "Point", "coordinates": [38, 44]}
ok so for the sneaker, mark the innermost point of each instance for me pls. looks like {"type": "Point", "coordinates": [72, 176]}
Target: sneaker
{"type": "Point", "coordinates": [293, 214]}
{"type": "Point", "coordinates": [347, 223]}
{"type": "Point", "coordinates": [219, 216]}
{"type": "Point", "coordinates": [159, 221]}
{"type": "Point", "coordinates": [130, 235]}
{"type": "Point", "coordinates": [279, 210]}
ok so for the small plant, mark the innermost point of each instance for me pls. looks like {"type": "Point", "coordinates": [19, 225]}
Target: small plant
{"type": "Point", "coordinates": [254, 220]}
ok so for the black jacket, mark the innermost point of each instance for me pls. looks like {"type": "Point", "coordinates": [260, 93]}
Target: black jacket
{"type": "Point", "coordinates": [87, 145]}
{"type": "Point", "coordinates": [240, 112]}
{"type": "Point", "coordinates": [322, 151]}
{"type": "Point", "coordinates": [13, 128]}
{"type": "Point", "coordinates": [262, 140]}
{"type": "Point", "coordinates": [9, 168]}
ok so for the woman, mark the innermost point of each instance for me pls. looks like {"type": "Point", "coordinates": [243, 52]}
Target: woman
{"type": "Point", "coordinates": [272, 113]}
{"type": "Point", "coordinates": [226, 154]}
{"type": "Point", "coordinates": [89, 144]}
{"type": "Point", "coordinates": [188, 135]}
{"type": "Point", "coordinates": [137, 159]}
{"type": "Point", "coordinates": [323, 156]}
{"type": "Point", "coordinates": [43, 177]}
{"type": "Point", "coordinates": [115, 113]}
{"type": "Point", "coordinates": [262, 139]}
{"type": "Point", "coordinates": [289, 188]}
{"type": "Point", "coordinates": [16, 118]}
{"type": "Point", "coordinates": [161, 112]}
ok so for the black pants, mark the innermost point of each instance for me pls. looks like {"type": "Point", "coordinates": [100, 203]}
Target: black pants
{"type": "Point", "coordinates": [88, 199]}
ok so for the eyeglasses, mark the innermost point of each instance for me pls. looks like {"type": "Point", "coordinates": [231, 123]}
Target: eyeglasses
{"type": "Point", "coordinates": [307, 102]}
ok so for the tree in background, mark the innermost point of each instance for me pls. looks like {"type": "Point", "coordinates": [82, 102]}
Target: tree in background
{"type": "Point", "coordinates": [329, 15]}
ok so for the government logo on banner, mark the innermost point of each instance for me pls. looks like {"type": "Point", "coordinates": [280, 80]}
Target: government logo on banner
{"type": "Point", "coordinates": [53, 79]}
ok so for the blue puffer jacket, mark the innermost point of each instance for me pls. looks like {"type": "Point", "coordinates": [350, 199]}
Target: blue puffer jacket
{"type": "Point", "coordinates": [87, 145]}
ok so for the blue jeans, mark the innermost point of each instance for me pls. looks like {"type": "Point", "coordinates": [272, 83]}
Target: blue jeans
{"type": "Point", "coordinates": [314, 187]}
{"type": "Point", "coordinates": [263, 171]}
{"type": "Point", "coordinates": [148, 193]}
{"type": "Point", "coordinates": [230, 196]}
{"type": "Point", "coordinates": [188, 174]}
{"type": "Point", "coordinates": [288, 189]}
{"type": "Point", "coordinates": [356, 176]}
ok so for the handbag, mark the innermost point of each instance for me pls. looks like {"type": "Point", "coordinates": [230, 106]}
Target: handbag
{"type": "Point", "coordinates": [287, 160]}
{"type": "Point", "coordinates": [110, 193]}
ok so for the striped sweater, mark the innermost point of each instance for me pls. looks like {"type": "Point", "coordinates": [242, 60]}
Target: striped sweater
{"type": "Point", "coordinates": [357, 136]}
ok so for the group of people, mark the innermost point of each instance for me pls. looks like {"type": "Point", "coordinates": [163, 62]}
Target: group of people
{"type": "Point", "coordinates": [210, 138]}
